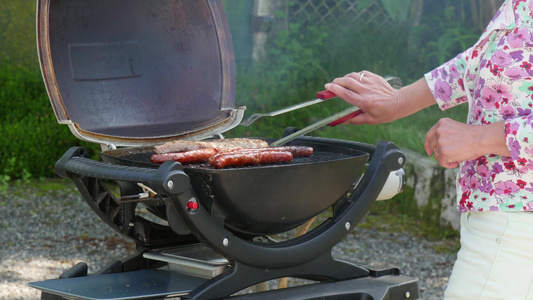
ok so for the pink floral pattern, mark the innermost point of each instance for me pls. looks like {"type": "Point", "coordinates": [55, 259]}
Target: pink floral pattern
{"type": "Point", "coordinates": [495, 78]}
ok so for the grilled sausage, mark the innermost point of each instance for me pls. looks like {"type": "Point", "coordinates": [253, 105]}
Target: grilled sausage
{"type": "Point", "coordinates": [297, 151]}
{"type": "Point", "coordinates": [245, 158]}
{"type": "Point", "coordinates": [188, 157]}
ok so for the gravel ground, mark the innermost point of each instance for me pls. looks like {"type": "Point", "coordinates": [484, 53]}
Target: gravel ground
{"type": "Point", "coordinates": [45, 232]}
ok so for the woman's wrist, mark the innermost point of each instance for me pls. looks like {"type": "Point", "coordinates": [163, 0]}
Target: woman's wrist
{"type": "Point", "coordinates": [492, 139]}
{"type": "Point", "coordinates": [414, 98]}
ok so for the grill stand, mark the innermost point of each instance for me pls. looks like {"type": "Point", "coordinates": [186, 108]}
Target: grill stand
{"type": "Point", "coordinates": [251, 262]}
{"type": "Point", "coordinates": [378, 284]}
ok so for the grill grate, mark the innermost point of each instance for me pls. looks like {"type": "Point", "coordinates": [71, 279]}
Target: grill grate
{"type": "Point", "coordinates": [143, 158]}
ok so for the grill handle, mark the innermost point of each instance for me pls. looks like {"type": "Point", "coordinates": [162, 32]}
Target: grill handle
{"type": "Point", "coordinates": [169, 178]}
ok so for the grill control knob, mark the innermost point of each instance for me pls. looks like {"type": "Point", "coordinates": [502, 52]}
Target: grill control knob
{"type": "Point", "coordinates": [192, 205]}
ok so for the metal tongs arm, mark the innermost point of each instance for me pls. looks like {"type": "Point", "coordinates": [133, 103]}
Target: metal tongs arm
{"type": "Point", "coordinates": [335, 119]}
{"type": "Point", "coordinates": [349, 112]}
{"type": "Point", "coordinates": [322, 96]}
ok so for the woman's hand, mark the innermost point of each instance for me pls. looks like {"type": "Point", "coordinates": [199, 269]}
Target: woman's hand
{"type": "Point", "coordinates": [379, 101]}
{"type": "Point", "coordinates": [371, 93]}
{"type": "Point", "coordinates": [452, 142]}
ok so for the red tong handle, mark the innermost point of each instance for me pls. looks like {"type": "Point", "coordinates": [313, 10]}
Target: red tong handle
{"type": "Point", "coordinates": [344, 119]}
{"type": "Point", "coordinates": [326, 95]}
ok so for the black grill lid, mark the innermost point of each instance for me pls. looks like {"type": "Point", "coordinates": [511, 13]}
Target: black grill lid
{"type": "Point", "coordinates": [138, 72]}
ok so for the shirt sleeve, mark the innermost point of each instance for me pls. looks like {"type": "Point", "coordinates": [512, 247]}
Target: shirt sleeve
{"type": "Point", "coordinates": [447, 82]}
{"type": "Point", "coordinates": [519, 137]}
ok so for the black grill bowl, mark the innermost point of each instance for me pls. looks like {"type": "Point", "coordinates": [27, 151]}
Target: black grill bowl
{"type": "Point", "coordinates": [268, 199]}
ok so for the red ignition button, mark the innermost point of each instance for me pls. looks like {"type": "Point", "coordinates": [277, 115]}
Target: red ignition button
{"type": "Point", "coordinates": [192, 205]}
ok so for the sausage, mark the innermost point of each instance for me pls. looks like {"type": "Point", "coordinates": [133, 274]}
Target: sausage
{"type": "Point", "coordinates": [244, 158]}
{"type": "Point", "coordinates": [235, 157]}
{"type": "Point", "coordinates": [297, 151]}
{"type": "Point", "coordinates": [188, 157]}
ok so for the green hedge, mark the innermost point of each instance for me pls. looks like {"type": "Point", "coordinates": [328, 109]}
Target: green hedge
{"type": "Point", "coordinates": [31, 139]}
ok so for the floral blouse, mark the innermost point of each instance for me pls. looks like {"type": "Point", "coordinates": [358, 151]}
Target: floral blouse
{"type": "Point", "coordinates": [495, 78]}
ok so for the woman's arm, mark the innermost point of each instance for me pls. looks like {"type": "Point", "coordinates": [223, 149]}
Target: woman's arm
{"type": "Point", "coordinates": [450, 141]}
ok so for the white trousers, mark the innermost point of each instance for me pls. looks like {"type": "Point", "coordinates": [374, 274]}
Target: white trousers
{"type": "Point", "coordinates": [496, 257]}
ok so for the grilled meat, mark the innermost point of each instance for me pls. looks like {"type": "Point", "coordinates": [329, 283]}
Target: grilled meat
{"type": "Point", "coordinates": [220, 145]}
{"type": "Point", "coordinates": [187, 157]}
{"type": "Point", "coordinates": [247, 158]}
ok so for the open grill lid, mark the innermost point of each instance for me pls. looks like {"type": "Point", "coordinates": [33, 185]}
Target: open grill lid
{"type": "Point", "coordinates": [138, 72]}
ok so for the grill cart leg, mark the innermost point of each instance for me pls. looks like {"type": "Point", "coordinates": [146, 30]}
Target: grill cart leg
{"type": "Point", "coordinates": [385, 284]}
{"type": "Point", "coordinates": [240, 276]}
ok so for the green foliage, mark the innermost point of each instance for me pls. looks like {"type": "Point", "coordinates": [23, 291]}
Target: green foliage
{"type": "Point", "coordinates": [443, 36]}
{"type": "Point", "coordinates": [364, 4]}
{"type": "Point", "coordinates": [398, 10]}
{"type": "Point", "coordinates": [292, 71]}
{"type": "Point", "coordinates": [17, 32]}
{"type": "Point", "coordinates": [31, 140]}
{"type": "Point", "coordinates": [300, 62]}
{"type": "Point", "coordinates": [239, 20]}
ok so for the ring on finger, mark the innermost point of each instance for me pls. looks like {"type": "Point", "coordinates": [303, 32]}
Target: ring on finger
{"type": "Point", "coordinates": [361, 77]}
{"type": "Point", "coordinates": [435, 151]}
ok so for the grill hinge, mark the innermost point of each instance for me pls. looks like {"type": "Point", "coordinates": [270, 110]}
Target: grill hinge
{"type": "Point", "coordinates": [107, 147]}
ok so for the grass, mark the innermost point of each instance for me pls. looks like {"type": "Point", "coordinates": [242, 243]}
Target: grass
{"type": "Point", "coordinates": [44, 186]}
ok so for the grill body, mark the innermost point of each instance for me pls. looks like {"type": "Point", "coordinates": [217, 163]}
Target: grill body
{"type": "Point", "coordinates": [131, 74]}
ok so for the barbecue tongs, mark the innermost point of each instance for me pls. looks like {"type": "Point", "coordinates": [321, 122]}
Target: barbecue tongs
{"type": "Point", "coordinates": [333, 120]}
{"type": "Point", "coordinates": [321, 96]}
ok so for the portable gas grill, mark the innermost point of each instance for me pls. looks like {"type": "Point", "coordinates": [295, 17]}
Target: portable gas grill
{"type": "Point", "coordinates": [131, 74]}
